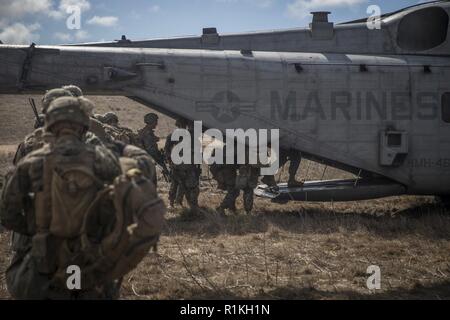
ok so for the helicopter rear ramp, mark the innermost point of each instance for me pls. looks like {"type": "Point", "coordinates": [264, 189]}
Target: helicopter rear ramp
{"type": "Point", "coordinates": [333, 191]}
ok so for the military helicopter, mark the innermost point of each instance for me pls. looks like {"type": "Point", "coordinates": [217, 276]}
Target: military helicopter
{"type": "Point", "coordinates": [371, 101]}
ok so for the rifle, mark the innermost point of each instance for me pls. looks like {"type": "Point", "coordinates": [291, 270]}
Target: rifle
{"type": "Point", "coordinates": [36, 114]}
{"type": "Point", "coordinates": [164, 170]}
{"type": "Point", "coordinates": [161, 161]}
{"type": "Point", "coordinates": [166, 173]}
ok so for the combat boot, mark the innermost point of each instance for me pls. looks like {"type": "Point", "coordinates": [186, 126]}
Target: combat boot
{"type": "Point", "coordinates": [269, 181]}
{"type": "Point", "coordinates": [233, 209]}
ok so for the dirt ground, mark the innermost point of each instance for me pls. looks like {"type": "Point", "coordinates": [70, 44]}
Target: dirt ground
{"type": "Point", "coordinates": [291, 251]}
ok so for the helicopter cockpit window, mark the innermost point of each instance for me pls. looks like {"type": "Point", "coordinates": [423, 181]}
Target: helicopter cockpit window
{"type": "Point", "coordinates": [423, 29]}
{"type": "Point", "coordinates": [446, 107]}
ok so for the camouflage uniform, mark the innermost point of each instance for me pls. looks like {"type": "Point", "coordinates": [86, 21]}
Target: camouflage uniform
{"type": "Point", "coordinates": [225, 175]}
{"type": "Point", "coordinates": [149, 141]}
{"type": "Point", "coordinates": [40, 137]}
{"type": "Point", "coordinates": [229, 176]}
{"type": "Point", "coordinates": [176, 193]}
{"type": "Point", "coordinates": [74, 90]}
{"type": "Point", "coordinates": [247, 181]}
{"type": "Point", "coordinates": [21, 243]}
{"type": "Point", "coordinates": [37, 139]}
{"type": "Point", "coordinates": [98, 130]}
{"type": "Point", "coordinates": [32, 142]}
{"type": "Point", "coordinates": [185, 178]}
{"type": "Point", "coordinates": [96, 126]}
{"type": "Point", "coordinates": [143, 161]}
{"type": "Point", "coordinates": [234, 178]}
{"type": "Point", "coordinates": [110, 118]}
{"type": "Point", "coordinates": [20, 207]}
{"type": "Point", "coordinates": [111, 124]}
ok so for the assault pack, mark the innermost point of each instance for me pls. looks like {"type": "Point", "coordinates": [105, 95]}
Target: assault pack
{"type": "Point", "coordinates": [106, 230]}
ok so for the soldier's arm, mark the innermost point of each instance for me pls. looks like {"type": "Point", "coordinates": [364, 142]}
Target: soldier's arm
{"type": "Point", "coordinates": [14, 198]}
{"type": "Point", "coordinates": [156, 154]}
{"type": "Point", "coordinates": [168, 147]}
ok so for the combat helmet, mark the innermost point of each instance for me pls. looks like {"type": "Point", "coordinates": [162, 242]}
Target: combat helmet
{"type": "Point", "coordinates": [110, 118]}
{"type": "Point", "coordinates": [69, 109]}
{"type": "Point", "coordinates": [74, 90]}
{"type": "Point", "coordinates": [52, 95]}
{"type": "Point", "coordinates": [151, 118]}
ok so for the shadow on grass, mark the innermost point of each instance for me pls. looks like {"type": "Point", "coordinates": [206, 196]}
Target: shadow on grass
{"type": "Point", "coordinates": [430, 221]}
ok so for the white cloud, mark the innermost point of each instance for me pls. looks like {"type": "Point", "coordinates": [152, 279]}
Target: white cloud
{"type": "Point", "coordinates": [11, 11]}
{"type": "Point", "coordinates": [84, 5]}
{"type": "Point", "coordinates": [12, 30]}
{"type": "Point", "coordinates": [154, 8]}
{"type": "Point", "coordinates": [19, 33]}
{"type": "Point", "coordinates": [64, 37]}
{"type": "Point", "coordinates": [108, 21]}
{"type": "Point", "coordinates": [81, 35]}
{"type": "Point", "coordinates": [14, 9]}
{"type": "Point", "coordinates": [65, 5]}
{"type": "Point", "coordinates": [302, 8]}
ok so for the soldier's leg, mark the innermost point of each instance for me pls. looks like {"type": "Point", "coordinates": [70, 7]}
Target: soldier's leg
{"type": "Point", "coordinates": [180, 195]}
{"type": "Point", "coordinates": [269, 180]}
{"type": "Point", "coordinates": [229, 202]}
{"type": "Point", "coordinates": [178, 191]}
{"type": "Point", "coordinates": [284, 157]}
{"type": "Point", "coordinates": [248, 200]}
{"type": "Point", "coordinates": [192, 198]}
{"type": "Point", "coordinates": [192, 188]}
{"type": "Point", "coordinates": [173, 192]}
{"type": "Point", "coordinates": [295, 158]}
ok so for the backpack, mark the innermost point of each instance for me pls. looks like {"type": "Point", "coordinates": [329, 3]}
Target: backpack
{"type": "Point", "coordinates": [139, 222]}
{"type": "Point", "coordinates": [69, 230]}
{"type": "Point", "coordinates": [69, 187]}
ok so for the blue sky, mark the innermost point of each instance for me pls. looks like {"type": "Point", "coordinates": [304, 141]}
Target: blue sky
{"type": "Point", "coordinates": [44, 21]}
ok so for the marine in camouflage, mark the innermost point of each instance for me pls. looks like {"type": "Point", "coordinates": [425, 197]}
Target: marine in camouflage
{"type": "Point", "coordinates": [149, 141]}
{"type": "Point", "coordinates": [25, 190]}
{"type": "Point", "coordinates": [185, 178]}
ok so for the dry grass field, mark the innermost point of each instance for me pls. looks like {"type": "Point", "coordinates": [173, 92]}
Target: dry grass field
{"type": "Point", "coordinates": [291, 251]}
